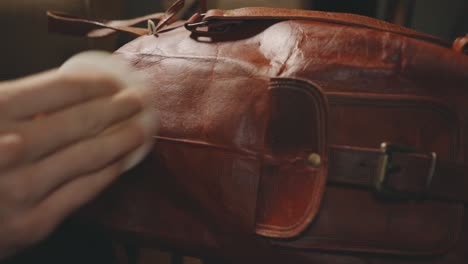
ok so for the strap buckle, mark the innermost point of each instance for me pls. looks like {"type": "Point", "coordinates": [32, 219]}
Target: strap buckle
{"type": "Point", "coordinates": [386, 167]}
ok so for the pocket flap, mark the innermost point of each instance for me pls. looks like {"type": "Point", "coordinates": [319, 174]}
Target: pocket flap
{"type": "Point", "coordinates": [294, 168]}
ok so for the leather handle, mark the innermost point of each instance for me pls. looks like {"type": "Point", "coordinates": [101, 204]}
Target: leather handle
{"type": "Point", "coordinates": [256, 13]}
{"type": "Point", "coordinates": [69, 24]}
{"type": "Point", "coordinates": [174, 9]}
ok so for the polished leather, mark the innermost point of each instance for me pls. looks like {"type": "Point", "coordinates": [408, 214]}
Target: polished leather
{"type": "Point", "coordinates": [247, 100]}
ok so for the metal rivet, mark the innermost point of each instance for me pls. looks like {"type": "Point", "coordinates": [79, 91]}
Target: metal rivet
{"type": "Point", "coordinates": [314, 160]}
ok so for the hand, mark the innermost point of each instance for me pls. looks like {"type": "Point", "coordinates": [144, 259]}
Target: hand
{"type": "Point", "coordinates": [64, 136]}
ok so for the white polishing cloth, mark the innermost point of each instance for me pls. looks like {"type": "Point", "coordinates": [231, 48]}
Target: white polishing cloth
{"type": "Point", "coordinates": [99, 61]}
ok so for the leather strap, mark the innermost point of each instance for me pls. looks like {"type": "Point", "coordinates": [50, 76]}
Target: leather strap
{"type": "Point", "coordinates": [173, 10]}
{"type": "Point", "coordinates": [203, 6]}
{"type": "Point", "coordinates": [412, 173]}
{"type": "Point", "coordinates": [250, 13]}
{"type": "Point", "coordinates": [169, 14]}
{"type": "Point", "coordinates": [68, 24]}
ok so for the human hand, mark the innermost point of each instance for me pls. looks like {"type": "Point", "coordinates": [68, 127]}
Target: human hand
{"type": "Point", "coordinates": [65, 135]}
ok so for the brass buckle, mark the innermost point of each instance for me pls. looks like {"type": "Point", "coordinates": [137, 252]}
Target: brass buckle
{"type": "Point", "coordinates": [386, 167]}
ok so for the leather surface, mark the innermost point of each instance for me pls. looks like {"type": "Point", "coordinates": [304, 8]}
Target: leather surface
{"type": "Point", "coordinates": [241, 111]}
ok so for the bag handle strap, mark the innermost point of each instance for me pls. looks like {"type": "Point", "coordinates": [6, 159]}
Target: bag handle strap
{"type": "Point", "coordinates": [214, 16]}
{"type": "Point", "coordinates": [69, 24]}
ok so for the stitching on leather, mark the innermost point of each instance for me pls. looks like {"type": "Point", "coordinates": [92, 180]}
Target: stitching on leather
{"type": "Point", "coordinates": [321, 174]}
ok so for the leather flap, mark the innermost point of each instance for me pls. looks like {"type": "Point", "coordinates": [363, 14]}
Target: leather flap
{"type": "Point", "coordinates": [295, 165]}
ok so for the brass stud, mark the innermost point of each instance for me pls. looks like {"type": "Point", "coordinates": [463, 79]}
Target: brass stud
{"type": "Point", "coordinates": [314, 160]}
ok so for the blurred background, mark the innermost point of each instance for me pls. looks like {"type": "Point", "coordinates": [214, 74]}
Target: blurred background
{"type": "Point", "coordinates": [28, 48]}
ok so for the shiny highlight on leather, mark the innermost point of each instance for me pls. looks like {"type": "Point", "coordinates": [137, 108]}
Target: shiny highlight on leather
{"type": "Point", "coordinates": [245, 100]}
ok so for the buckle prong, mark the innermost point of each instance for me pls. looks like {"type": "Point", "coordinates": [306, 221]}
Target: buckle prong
{"type": "Point", "coordinates": [385, 168]}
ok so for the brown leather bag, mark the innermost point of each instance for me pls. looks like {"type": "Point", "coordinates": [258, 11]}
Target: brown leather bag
{"type": "Point", "coordinates": [292, 136]}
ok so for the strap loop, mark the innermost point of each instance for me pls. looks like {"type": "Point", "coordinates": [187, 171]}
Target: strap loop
{"type": "Point", "coordinates": [69, 24]}
{"type": "Point", "coordinates": [385, 166]}
{"type": "Point", "coordinates": [412, 175]}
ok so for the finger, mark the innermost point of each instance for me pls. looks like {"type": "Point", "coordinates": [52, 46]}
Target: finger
{"type": "Point", "coordinates": [82, 158]}
{"type": "Point", "coordinates": [43, 218]}
{"type": "Point", "coordinates": [11, 150]}
{"type": "Point", "coordinates": [79, 191]}
{"type": "Point", "coordinates": [51, 91]}
{"type": "Point", "coordinates": [60, 129]}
